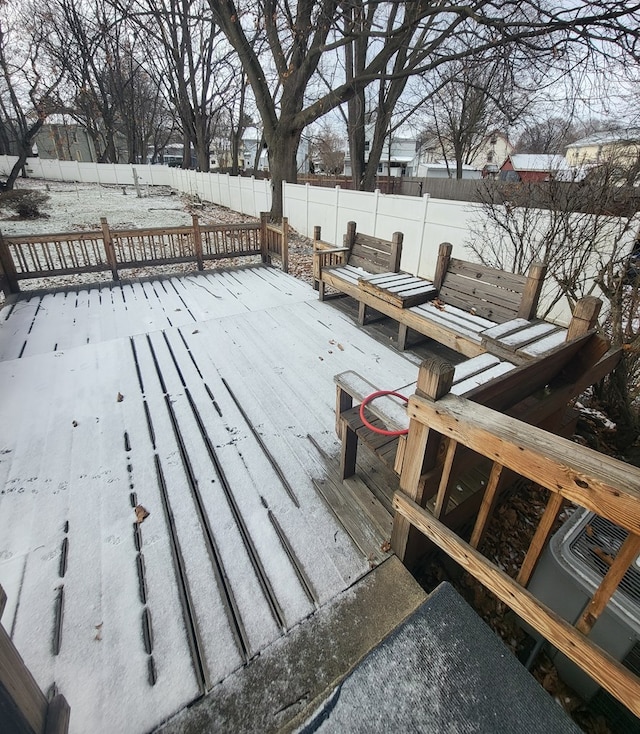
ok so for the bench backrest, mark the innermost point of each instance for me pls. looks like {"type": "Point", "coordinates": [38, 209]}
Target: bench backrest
{"type": "Point", "coordinates": [488, 292]}
{"type": "Point", "coordinates": [373, 254]}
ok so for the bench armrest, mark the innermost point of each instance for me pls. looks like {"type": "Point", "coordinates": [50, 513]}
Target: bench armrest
{"type": "Point", "coordinates": [325, 257]}
{"type": "Point", "coordinates": [351, 386]}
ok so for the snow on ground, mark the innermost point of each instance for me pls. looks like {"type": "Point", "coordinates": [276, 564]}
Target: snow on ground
{"type": "Point", "coordinates": [79, 206]}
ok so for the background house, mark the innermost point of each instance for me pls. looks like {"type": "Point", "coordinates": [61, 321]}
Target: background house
{"type": "Point", "coordinates": [624, 145]}
{"type": "Point", "coordinates": [532, 167]}
{"type": "Point", "coordinates": [490, 154]}
{"type": "Point", "coordinates": [397, 158]}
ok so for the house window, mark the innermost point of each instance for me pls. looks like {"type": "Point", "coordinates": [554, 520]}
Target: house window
{"type": "Point", "coordinates": [379, 167]}
{"type": "Point", "coordinates": [366, 144]}
{"type": "Point", "coordinates": [490, 157]}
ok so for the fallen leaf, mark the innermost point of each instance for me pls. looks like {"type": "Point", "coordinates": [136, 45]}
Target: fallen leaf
{"type": "Point", "coordinates": [321, 359]}
{"type": "Point", "coordinates": [141, 513]}
{"type": "Point", "coordinates": [602, 555]}
{"type": "Point", "coordinates": [340, 347]}
{"type": "Point", "coordinates": [195, 331]}
{"type": "Point", "coordinates": [589, 531]}
{"type": "Point", "coordinates": [120, 397]}
{"type": "Point", "coordinates": [74, 423]}
{"type": "Point", "coordinates": [385, 547]}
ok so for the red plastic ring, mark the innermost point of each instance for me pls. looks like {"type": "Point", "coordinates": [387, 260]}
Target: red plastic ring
{"type": "Point", "coordinates": [375, 429]}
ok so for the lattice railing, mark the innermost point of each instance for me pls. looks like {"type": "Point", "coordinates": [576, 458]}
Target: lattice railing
{"type": "Point", "coordinates": [43, 256]}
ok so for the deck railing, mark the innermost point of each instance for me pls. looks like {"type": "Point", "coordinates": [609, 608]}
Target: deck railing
{"type": "Point", "coordinates": [23, 706]}
{"type": "Point", "coordinates": [68, 253]}
{"type": "Point", "coordinates": [442, 424]}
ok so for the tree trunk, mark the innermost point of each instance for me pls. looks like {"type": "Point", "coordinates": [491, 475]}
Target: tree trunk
{"type": "Point", "coordinates": [356, 134]}
{"type": "Point", "coordinates": [282, 165]}
{"type": "Point", "coordinates": [23, 153]}
{"type": "Point", "coordinates": [202, 155]}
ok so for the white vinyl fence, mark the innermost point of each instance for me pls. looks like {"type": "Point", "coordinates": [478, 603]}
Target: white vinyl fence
{"type": "Point", "coordinates": [425, 222]}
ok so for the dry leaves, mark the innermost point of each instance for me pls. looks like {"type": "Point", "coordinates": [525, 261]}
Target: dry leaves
{"type": "Point", "coordinates": [141, 513]}
{"type": "Point", "coordinates": [119, 397]}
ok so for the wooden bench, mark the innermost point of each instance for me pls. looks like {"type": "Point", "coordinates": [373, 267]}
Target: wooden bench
{"type": "Point", "coordinates": [537, 392]}
{"type": "Point", "coordinates": [472, 300]}
{"type": "Point", "coordinates": [389, 412]}
{"type": "Point", "coordinates": [341, 267]}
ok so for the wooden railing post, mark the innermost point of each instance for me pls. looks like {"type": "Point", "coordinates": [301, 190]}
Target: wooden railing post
{"type": "Point", "coordinates": [585, 317]}
{"type": "Point", "coordinates": [264, 234]}
{"type": "Point", "coordinates": [421, 454]}
{"type": "Point", "coordinates": [396, 251]}
{"type": "Point", "coordinates": [23, 705]}
{"type": "Point", "coordinates": [317, 232]}
{"type": "Point", "coordinates": [350, 236]}
{"type": "Point", "coordinates": [284, 243]}
{"type": "Point", "coordinates": [197, 241]}
{"type": "Point", "coordinates": [444, 255]}
{"type": "Point", "coordinates": [109, 249]}
{"type": "Point", "coordinates": [532, 290]}
{"type": "Point", "coordinates": [8, 275]}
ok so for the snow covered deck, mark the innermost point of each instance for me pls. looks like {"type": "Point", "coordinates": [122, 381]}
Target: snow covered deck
{"type": "Point", "coordinates": [208, 400]}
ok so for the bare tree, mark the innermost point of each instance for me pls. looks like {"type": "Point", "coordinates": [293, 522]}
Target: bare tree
{"type": "Point", "coordinates": [327, 151]}
{"type": "Point", "coordinates": [27, 91]}
{"type": "Point", "coordinates": [401, 39]}
{"type": "Point", "coordinates": [470, 98]}
{"type": "Point", "coordinates": [189, 56]}
{"type": "Point", "coordinates": [584, 231]}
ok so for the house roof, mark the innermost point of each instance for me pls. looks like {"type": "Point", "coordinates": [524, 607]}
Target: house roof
{"type": "Point", "coordinates": [538, 162]}
{"type": "Point", "coordinates": [627, 135]}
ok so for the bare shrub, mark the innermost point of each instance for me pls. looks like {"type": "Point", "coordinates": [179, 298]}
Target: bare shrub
{"type": "Point", "coordinates": [27, 204]}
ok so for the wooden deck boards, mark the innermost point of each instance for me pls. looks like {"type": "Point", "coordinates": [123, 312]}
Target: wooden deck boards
{"type": "Point", "coordinates": [211, 437]}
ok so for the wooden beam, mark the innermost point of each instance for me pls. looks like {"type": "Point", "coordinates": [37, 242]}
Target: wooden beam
{"type": "Point", "coordinates": [9, 277]}
{"type": "Point", "coordinates": [488, 503]}
{"type": "Point", "coordinates": [540, 538]}
{"type": "Point", "coordinates": [109, 249]}
{"type": "Point", "coordinates": [58, 715]}
{"type": "Point", "coordinates": [607, 672]}
{"type": "Point", "coordinates": [532, 290]}
{"type": "Point", "coordinates": [197, 240]}
{"type": "Point", "coordinates": [446, 485]}
{"type": "Point", "coordinates": [435, 378]}
{"type": "Point", "coordinates": [585, 317]}
{"type": "Point", "coordinates": [598, 482]}
{"type": "Point", "coordinates": [18, 689]}
{"type": "Point", "coordinates": [396, 251]}
{"type": "Point", "coordinates": [442, 264]}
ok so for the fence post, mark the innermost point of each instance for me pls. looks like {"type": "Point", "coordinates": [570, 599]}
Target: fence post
{"type": "Point", "coordinates": [264, 243]}
{"type": "Point", "coordinates": [109, 249]}
{"type": "Point", "coordinates": [421, 454]}
{"type": "Point", "coordinates": [197, 241]}
{"type": "Point", "coordinates": [285, 244]}
{"type": "Point", "coordinates": [8, 276]}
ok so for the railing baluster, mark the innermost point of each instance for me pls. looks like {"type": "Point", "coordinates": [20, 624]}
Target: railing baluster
{"type": "Point", "coordinates": [540, 538]}
{"type": "Point", "coordinates": [488, 503]}
{"type": "Point", "coordinates": [444, 489]}
{"type": "Point", "coordinates": [624, 558]}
